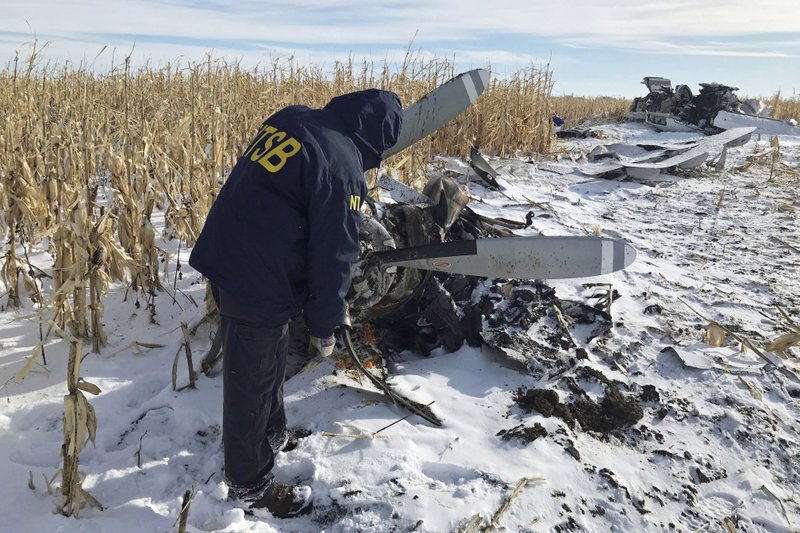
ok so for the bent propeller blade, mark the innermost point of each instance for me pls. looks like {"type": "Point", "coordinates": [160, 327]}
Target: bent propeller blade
{"type": "Point", "coordinates": [439, 107]}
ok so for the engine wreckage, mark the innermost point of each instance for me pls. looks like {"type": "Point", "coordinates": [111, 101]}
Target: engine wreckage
{"type": "Point", "coordinates": [714, 109]}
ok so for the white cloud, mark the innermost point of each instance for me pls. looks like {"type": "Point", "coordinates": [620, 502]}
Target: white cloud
{"type": "Point", "coordinates": [392, 23]}
{"type": "Point", "coordinates": [771, 49]}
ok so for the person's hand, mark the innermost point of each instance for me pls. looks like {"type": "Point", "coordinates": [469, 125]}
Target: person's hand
{"type": "Point", "coordinates": [324, 347]}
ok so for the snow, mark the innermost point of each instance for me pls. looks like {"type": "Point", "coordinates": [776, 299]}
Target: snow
{"type": "Point", "coordinates": [720, 443]}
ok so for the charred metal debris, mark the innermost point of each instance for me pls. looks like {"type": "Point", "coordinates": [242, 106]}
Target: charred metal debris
{"type": "Point", "coordinates": [662, 105]}
{"type": "Point", "coordinates": [420, 310]}
{"type": "Point", "coordinates": [410, 309]}
{"type": "Point", "coordinates": [713, 109]}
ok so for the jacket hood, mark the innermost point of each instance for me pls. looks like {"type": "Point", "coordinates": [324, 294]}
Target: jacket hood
{"type": "Point", "coordinates": [372, 119]}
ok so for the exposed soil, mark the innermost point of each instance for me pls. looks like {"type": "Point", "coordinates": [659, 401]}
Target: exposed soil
{"type": "Point", "coordinates": [526, 435]}
{"type": "Point", "coordinates": [615, 411]}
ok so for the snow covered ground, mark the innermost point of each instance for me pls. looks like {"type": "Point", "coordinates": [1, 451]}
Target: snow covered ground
{"type": "Point", "coordinates": [715, 450]}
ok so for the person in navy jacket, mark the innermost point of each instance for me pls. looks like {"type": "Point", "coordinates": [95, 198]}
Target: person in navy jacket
{"type": "Point", "coordinates": [280, 239]}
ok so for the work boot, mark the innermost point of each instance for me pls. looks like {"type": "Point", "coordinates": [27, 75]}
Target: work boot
{"type": "Point", "coordinates": [285, 501]}
{"type": "Point", "coordinates": [287, 440]}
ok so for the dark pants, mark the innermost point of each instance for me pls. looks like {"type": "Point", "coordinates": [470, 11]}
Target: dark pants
{"type": "Point", "coordinates": [254, 365]}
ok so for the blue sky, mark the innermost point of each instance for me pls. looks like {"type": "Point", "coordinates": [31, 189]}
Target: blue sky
{"type": "Point", "coordinates": [594, 47]}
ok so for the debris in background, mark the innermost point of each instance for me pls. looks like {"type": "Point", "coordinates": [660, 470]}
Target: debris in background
{"type": "Point", "coordinates": [576, 133]}
{"type": "Point", "coordinates": [715, 108]}
{"type": "Point", "coordinates": [647, 161]}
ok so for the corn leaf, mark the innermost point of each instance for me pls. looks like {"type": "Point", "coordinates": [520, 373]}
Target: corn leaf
{"type": "Point", "coordinates": [91, 388]}
{"type": "Point", "coordinates": [715, 335]}
{"type": "Point", "coordinates": [784, 342]}
{"type": "Point", "coordinates": [91, 500]}
{"type": "Point", "coordinates": [91, 419]}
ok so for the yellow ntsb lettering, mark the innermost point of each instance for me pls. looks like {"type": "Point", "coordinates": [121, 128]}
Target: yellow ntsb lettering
{"type": "Point", "coordinates": [355, 202]}
{"type": "Point", "coordinates": [262, 151]}
{"type": "Point", "coordinates": [282, 152]}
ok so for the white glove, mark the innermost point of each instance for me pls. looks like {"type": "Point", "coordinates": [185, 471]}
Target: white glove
{"type": "Point", "coordinates": [324, 347]}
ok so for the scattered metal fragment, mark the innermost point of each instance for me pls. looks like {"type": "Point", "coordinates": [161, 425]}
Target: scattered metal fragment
{"type": "Point", "coordinates": [483, 169]}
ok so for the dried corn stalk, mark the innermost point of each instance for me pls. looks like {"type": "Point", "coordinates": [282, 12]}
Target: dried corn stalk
{"type": "Point", "coordinates": [775, 145]}
{"type": "Point", "coordinates": [80, 425]}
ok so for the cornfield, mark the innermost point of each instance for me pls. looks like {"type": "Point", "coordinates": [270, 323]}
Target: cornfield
{"type": "Point", "coordinates": [785, 108]}
{"type": "Point", "coordinates": [576, 110]}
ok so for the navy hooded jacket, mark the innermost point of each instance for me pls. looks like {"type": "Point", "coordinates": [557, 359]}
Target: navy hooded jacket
{"type": "Point", "coordinates": [283, 232]}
